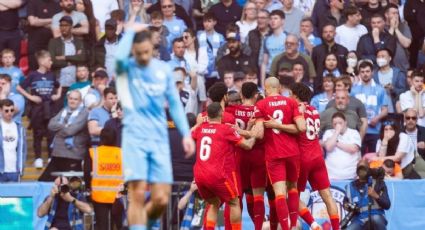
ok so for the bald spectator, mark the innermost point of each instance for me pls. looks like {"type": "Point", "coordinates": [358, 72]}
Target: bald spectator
{"type": "Point", "coordinates": [341, 105]}
{"type": "Point", "coordinates": [80, 24]}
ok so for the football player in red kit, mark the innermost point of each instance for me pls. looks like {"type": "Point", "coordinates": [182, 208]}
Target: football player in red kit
{"type": "Point", "coordinates": [282, 120]}
{"type": "Point", "coordinates": [215, 141]}
{"type": "Point", "coordinates": [251, 163]}
{"type": "Point", "coordinates": [313, 168]}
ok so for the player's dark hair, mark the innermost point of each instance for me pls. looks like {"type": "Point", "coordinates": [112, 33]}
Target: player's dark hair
{"type": "Point", "coordinates": [142, 37]}
{"type": "Point", "coordinates": [389, 163]}
{"type": "Point", "coordinates": [278, 13]}
{"type": "Point", "coordinates": [108, 137]}
{"type": "Point", "coordinates": [6, 102]}
{"type": "Point", "coordinates": [301, 91]}
{"type": "Point", "coordinates": [217, 92]}
{"type": "Point", "coordinates": [366, 64]}
{"type": "Point", "coordinates": [154, 29]}
{"type": "Point", "coordinates": [214, 110]}
{"type": "Point", "coordinates": [108, 91]}
{"type": "Point", "coordinates": [340, 115]}
{"type": "Point", "coordinates": [286, 81]}
{"type": "Point", "coordinates": [249, 90]}
{"type": "Point", "coordinates": [191, 119]}
{"type": "Point", "coordinates": [5, 76]}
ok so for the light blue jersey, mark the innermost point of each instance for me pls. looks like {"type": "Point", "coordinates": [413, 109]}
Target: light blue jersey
{"type": "Point", "coordinates": [315, 41]}
{"type": "Point", "coordinates": [16, 74]}
{"type": "Point", "coordinates": [212, 42]}
{"type": "Point", "coordinates": [144, 92]}
{"type": "Point", "coordinates": [374, 97]}
{"type": "Point", "coordinates": [175, 26]}
{"type": "Point", "coordinates": [320, 101]}
{"type": "Point", "coordinates": [273, 46]}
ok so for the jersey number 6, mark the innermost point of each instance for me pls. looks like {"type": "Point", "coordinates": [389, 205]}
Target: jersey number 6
{"type": "Point", "coordinates": [205, 149]}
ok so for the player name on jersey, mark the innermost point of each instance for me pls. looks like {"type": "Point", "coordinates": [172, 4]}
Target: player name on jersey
{"type": "Point", "coordinates": [209, 131]}
{"type": "Point", "coordinates": [277, 103]}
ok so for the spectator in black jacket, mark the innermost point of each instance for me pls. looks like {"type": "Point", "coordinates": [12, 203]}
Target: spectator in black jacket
{"type": "Point", "coordinates": [371, 8]}
{"type": "Point", "coordinates": [106, 47]}
{"type": "Point", "coordinates": [378, 38]}
{"type": "Point", "coordinates": [256, 37]}
{"type": "Point", "coordinates": [414, 12]}
{"type": "Point", "coordinates": [328, 46]}
{"type": "Point", "coordinates": [226, 12]}
{"type": "Point", "coordinates": [179, 11]}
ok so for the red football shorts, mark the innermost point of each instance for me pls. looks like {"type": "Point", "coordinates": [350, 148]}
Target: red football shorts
{"type": "Point", "coordinates": [283, 169]}
{"type": "Point", "coordinates": [253, 169]}
{"type": "Point", "coordinates": [223, 188]}
{"type": "Point", "coordinates": [315, 173]}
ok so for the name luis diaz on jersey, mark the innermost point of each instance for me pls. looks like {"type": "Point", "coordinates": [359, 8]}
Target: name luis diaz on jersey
{"type": "Point", "coordinates": [241, 113]}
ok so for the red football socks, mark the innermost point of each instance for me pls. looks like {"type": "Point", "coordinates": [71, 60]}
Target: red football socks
{"type": "Point", "coordinates": [293, 203]}
{"type": "Point", "coordinates": [258, 212]}
{"type": "Point", "coordinates": [236, 226]}
{"type": "Point", "coordinates": [273, 215]}
{"type": "Point", "coordinates": [306, 216]}
{"type": "Point", "coordinates": [335, 222]}
{"type": "Point", "coordinates": [227, 224]}
{"type": "Point", "coordinates": [282, 211]}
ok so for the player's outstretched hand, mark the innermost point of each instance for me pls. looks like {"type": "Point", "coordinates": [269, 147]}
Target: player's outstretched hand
{"type": "Point", "coordinates": [188, 146]}
{"type": "Point", "coordinates": [136, 26]}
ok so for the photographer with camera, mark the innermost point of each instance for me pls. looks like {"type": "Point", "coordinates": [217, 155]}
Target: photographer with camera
{"type": "Point", "coordinates": [65, 205]}
{"type": "Point", "coordinates": [366, 199]}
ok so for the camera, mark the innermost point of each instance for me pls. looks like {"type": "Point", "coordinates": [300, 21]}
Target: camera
{"type": "Point", "coordinates": [75, 183]}
{"type": "Point", "coordinates": [352, 210]}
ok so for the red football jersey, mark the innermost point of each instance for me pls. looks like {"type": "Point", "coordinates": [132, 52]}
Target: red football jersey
{"type": "Point", "coordinates": [227, 118]}
{"type": "Point", "coordinates": [279, 144]}
{"type": "Point", "coordinates": [308, 141]}
{"type": "Point", "coordinates": [214, 144]}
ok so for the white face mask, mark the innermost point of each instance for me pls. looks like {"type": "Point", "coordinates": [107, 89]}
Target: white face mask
{"type": "Point", "coordinates": [352, 62]}
{"type": "Point", "coordinates": [381, 62]}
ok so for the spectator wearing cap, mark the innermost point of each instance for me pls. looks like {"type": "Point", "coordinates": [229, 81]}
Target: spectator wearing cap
{"type": "Point", "coordinates": [292, 56]}
{"type": "Point", "coordinates": [94, 96]}
{"type": "Point", "coordinates": [13, 149]}
{"type": "Point", "coordinates": [377, 38]}
{"type": "Point", "coordinates": [10, 35]}
{"type": "Point", "coordinates": [102, 10]}
{"type": "Point", "coordinates": [224, 50]}
{"type": "Point", "coordinates": [80, 24]}
{"type": "Point", "coordinates": [179, 11]}
{"type": "Point", "coordinates": [40, 13]}
{"type": "Point", "coordinates": [401, 30]}
{"type": "Point", "coordinates": [187, 89]}
{"type": "Point", "coordinates": [106, 48]}
{"type": "Point", "coordinates": [236, 60]}
{"type": "Point", "coordinates": [227, 12]}
{"type": "Point", "coordinates": [390, 77]}
{"type": "Point", "coordinates": [272, 45]}
{"type": "Point", "coordinates": [211, 40]}
{"type": "Point", "coordinates": [71, 137]}
{"type": "Point", "coordinates": [67, 52]}
{"type": "Point", "coordinates": [18, 99]}
{"type": "Point", "coordinates": [174, 24]}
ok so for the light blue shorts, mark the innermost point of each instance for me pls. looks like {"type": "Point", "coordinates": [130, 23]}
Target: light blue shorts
{"type": "Point", "coordinates": [146, 160]}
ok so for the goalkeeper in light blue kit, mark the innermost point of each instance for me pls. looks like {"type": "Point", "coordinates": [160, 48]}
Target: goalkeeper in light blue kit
{"type": "Point", "coordinates": [145, 87]}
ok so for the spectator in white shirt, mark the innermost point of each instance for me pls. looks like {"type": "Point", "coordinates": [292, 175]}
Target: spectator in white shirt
{"type": "Point", "coordinates": [349, 33]}
{"type": "Point", "coordinates": [415, 97]}
{"type": "Point", "coordinates": [248, 20]}
{"type": "Point", "coordinates": [186, 89]}
{"type": "Point", "coordinates": [342, 146]}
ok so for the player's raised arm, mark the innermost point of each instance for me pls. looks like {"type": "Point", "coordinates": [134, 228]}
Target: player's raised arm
{"type": "Point", "coordinates": [247, 144]}
{"type": "Point", "coordinates": [287, 128]}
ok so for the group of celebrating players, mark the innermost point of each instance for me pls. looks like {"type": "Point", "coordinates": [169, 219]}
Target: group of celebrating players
{"type": "Point", "coordinates": [263, 144]}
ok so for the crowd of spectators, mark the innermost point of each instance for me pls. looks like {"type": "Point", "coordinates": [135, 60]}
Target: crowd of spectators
{"type": "Point", "coordinates": [363, 59]}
